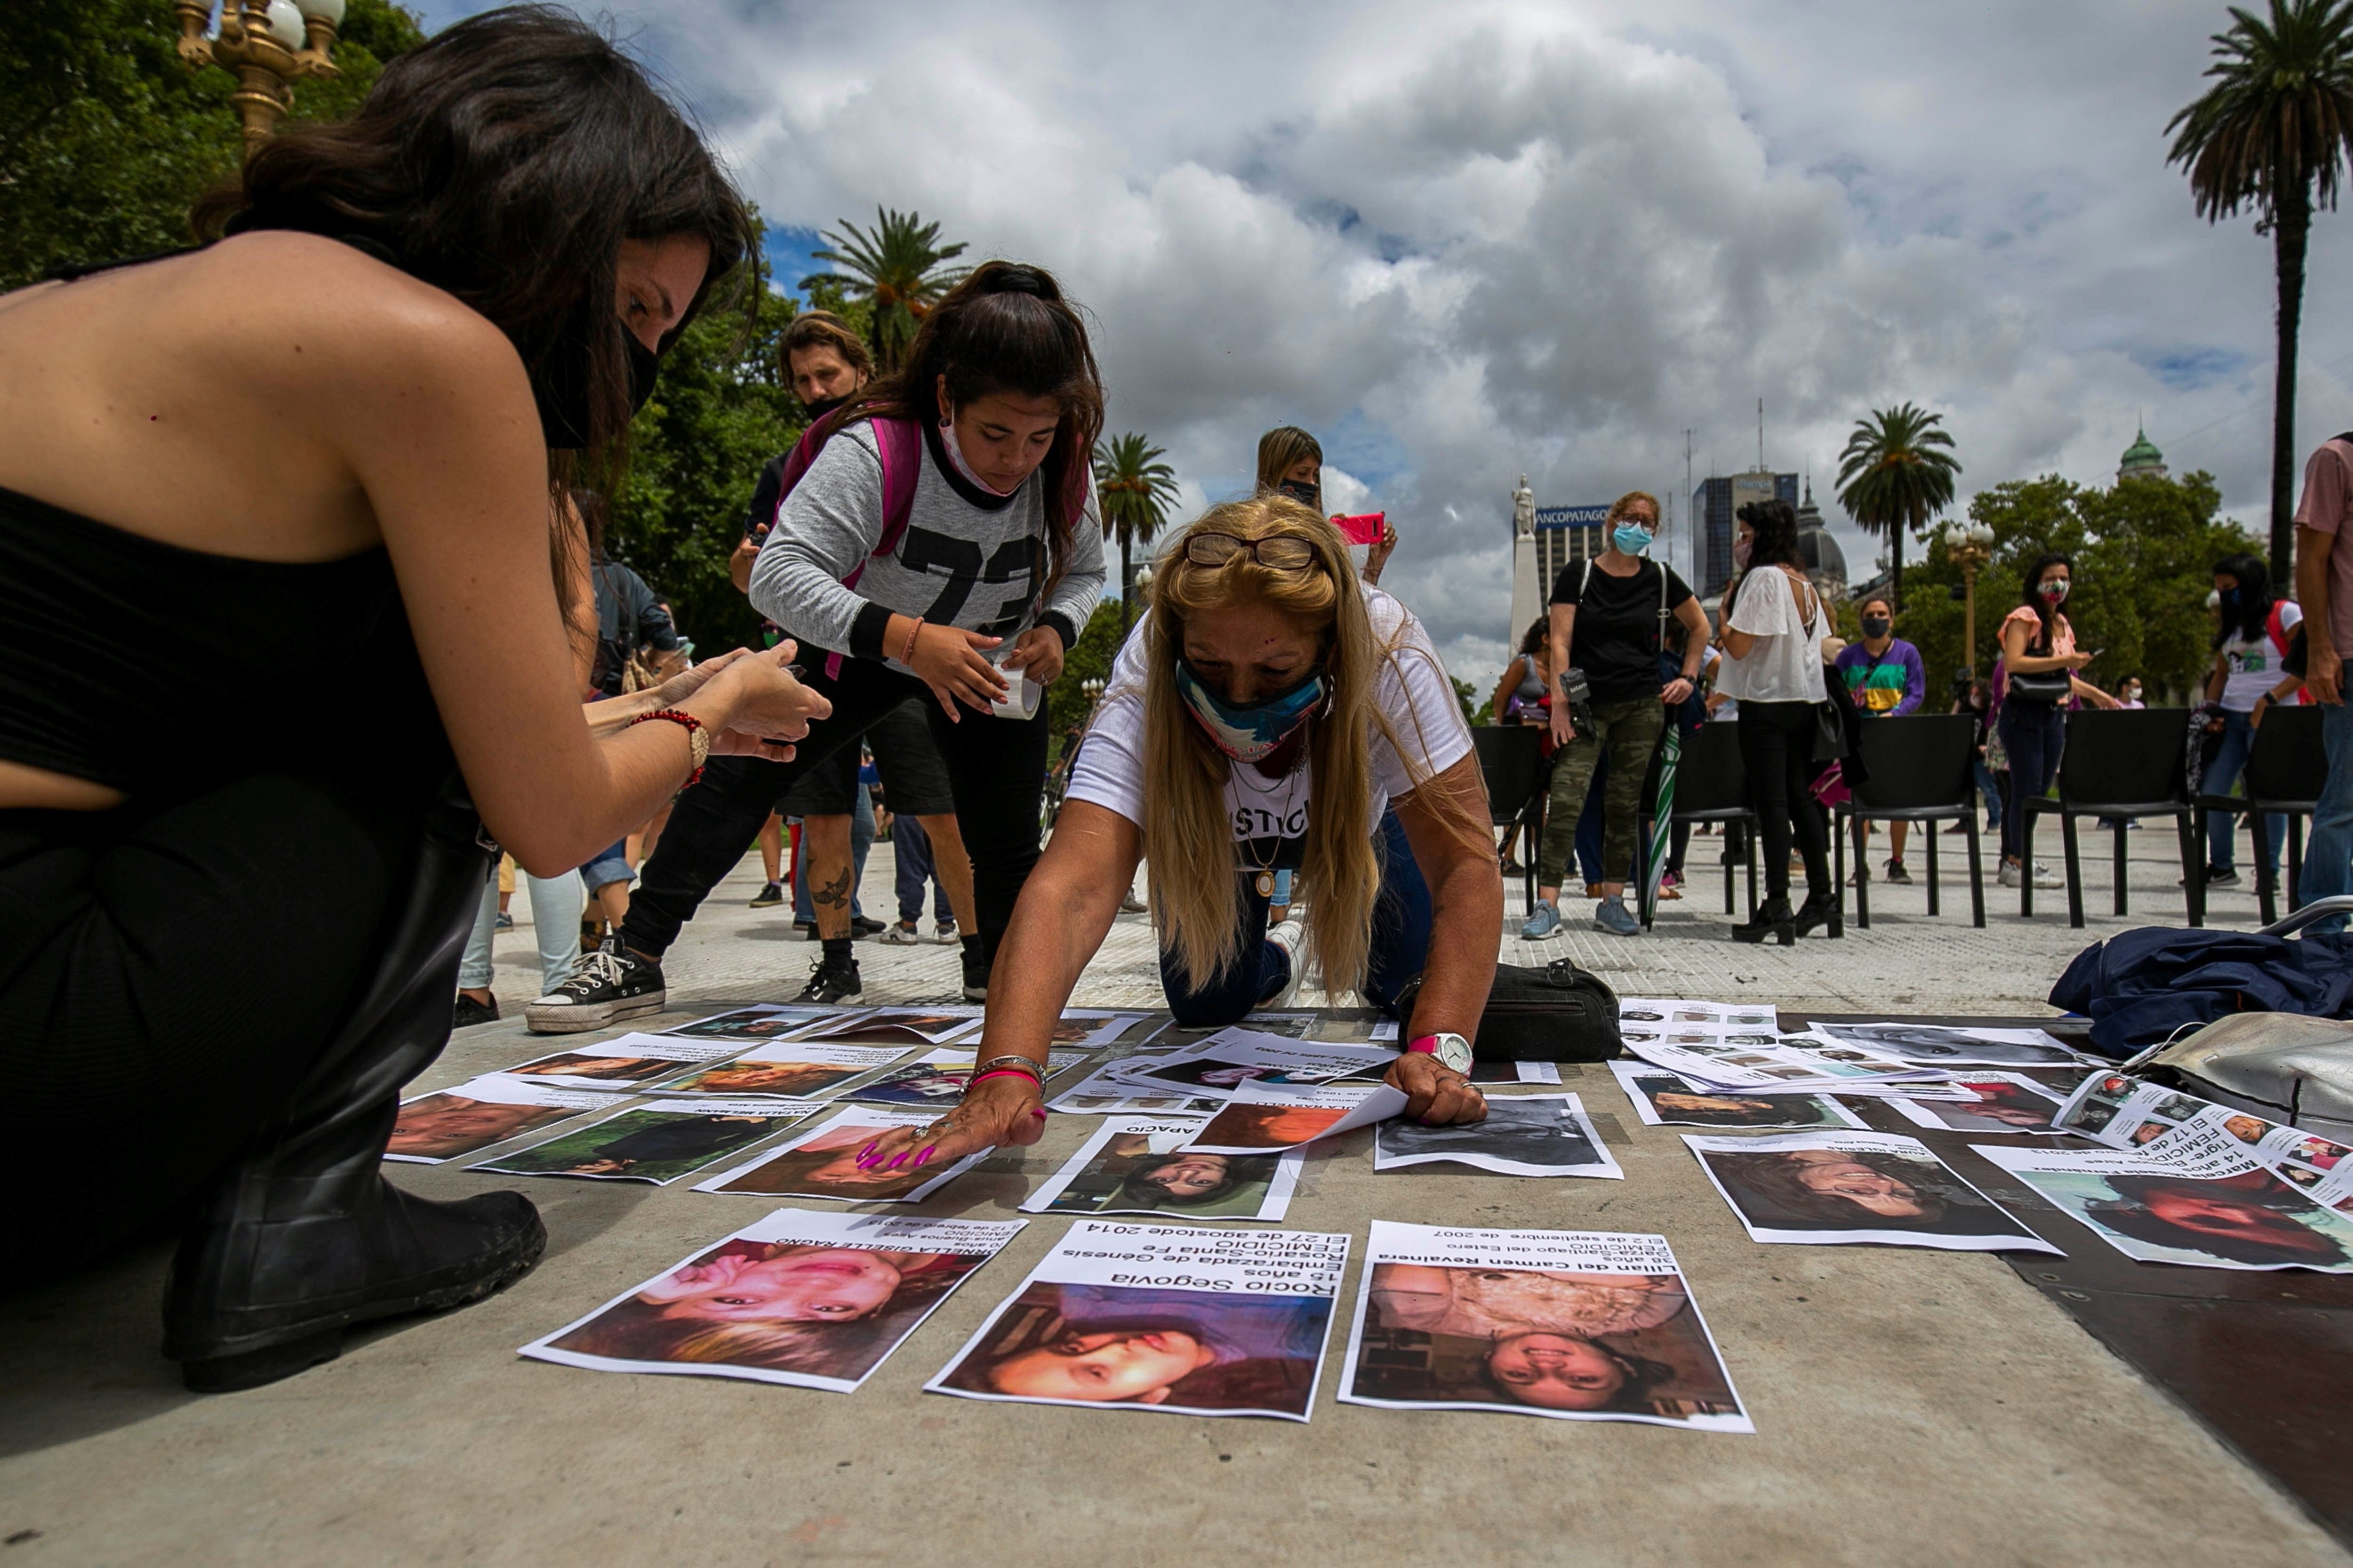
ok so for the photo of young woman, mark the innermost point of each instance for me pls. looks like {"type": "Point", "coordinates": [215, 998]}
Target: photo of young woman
{"type": "Point", "coordinates": [1246, 1126]}
{"type": "Point", "coordinates": [1855, 1187]}
{"type": "Point", "coordinates": [756, 1076]}
{"type": "Point", "coordinates": [436, 1127]}
{"type": "Point", "coordinates": [2002, 1105]}
{"type": "Point", "coordinates": [1665, 1099]}
{"type": "Point", "coordinates": [2252, 1220]}
{"type": "Point", "coordinates": [608, 1069]}
{"type": "Point", "coordinates": [648, 1143]}
{"type": "Point", "coordinates": [825, 1164]}
{"type": "Point", "coordinates": [1154, 1172]}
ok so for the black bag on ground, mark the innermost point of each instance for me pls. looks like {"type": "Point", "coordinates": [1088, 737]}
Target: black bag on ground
{"type": "Point", "coordinates": [1556, 1014]}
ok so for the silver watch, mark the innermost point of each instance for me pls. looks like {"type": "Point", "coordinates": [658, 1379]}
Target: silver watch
{"type": "Point", "coordinates": [1451, 1051]}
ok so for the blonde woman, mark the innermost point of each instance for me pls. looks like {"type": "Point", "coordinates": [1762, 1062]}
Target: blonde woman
{"type": "Point", "coordinates": [1269, 712]}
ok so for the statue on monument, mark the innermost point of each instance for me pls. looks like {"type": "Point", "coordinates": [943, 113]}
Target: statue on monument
{"type": "Point", "coordinates": [1524, 510]}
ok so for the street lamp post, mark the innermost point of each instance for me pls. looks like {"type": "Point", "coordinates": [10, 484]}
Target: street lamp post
{"type": "Point", "coordinates": [1972, 544]}
{"type": "Point", "coordinates": [268, 45]}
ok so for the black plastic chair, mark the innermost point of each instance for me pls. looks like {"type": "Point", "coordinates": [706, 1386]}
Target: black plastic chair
{"type": "Point", "coordinates": [1711, 785]}
{"type": "Point", "coordinates": [1511, 760]}
{"type": "Point", "coordinates": [1920, 771]}
{"type": "Point", "coordinates": [2119, 763]}
{"type": "Point", "coordinates": [2283, 773]}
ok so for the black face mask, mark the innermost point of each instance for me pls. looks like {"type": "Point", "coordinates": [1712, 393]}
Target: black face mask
{"type": "Point", "coordinates": [1302, 492]}
{"type": "Point", "coordinates": [562, 391]}
{"type": "Point", "coordinates": [823, 407]}
{"type": "Point", "coordinates": [1876, 626]}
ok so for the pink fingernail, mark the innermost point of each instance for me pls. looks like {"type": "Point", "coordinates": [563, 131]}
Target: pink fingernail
{"type": "Point", "coordinates": [923, 1156]}
{"type": "Point", "coordinates": [1038, 1111]}
{"type": "Point", "coordinates": [896, 1163]}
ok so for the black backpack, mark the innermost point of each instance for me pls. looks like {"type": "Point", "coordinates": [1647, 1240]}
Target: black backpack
{"type": "Point", "coordinates": [1556, 1014]}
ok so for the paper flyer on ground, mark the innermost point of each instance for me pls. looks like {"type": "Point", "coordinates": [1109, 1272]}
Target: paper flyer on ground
{"type": "Point", "coordinates": [1102, 1094]}
{"type": "Point", "coordinates": [1140, 1165]}
{"type": "Point", "coordinates": [2203, 1139]}
{"type": "Point", "coordinates": [937, 1078]}
{"type": "Point", "coordinates": [1575, 1325]}
{"type": "Point", "coordinates": [802, 1068]}
{"type": "Point", "coordinates": [1216, 1066]}
{"type": "Point", "coordinates": [1295, 1026]}
{"type": "Point", "coordinates": [657, 1142]}
{"type": "Point", "coordinates": [1491, 1072]}
{"type": "Point", "coordinates": [1783, 1068]}
{"type": "Point", "coordinates": [822, 1162]}
{"type": "Point", "coordinates": [1179, 1320]}
{"type": "Point", "coordinates": [625, 1062]}
{"type": "Point", "coordinates": [2158, 1214]}
{"type": "Point", "coordinates": [1087, 1028]}
{"type": "Point", "coordinates": [1531, 1135]}
{"type": "Point", "coordinates": [2006, 1102]}
{"type": "Point", "coordinates": [764, 1021]}
{"type": "Point", "coordinates": [815, 1301]}
{"type": "Point", "coordinates": [1258, 1118]}
{"type": "Point", "coordinates": [469, 1116]}
{"type": "Point", "coordinates": [1951, 1045]}
{"type": "Point", "coordinates": [907, 1025]}
{"type": "Point", "coordinates": [1662, 1098]}
{"type": "Point", "coordinates": [1855, 1187]}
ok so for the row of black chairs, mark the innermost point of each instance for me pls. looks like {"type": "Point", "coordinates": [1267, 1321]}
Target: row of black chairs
{"type": "Point", "coordinates": [2117, 765]}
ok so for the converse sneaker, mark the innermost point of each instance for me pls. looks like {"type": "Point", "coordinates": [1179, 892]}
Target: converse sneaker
{"type": "Point", "coordinates": [1897, 874]}
{"type": "Point", "coordinates": [612, 984]}
{"type": "Point", "coordinates": [829, 983]}
{"type": "Point", "coordinates": [770, 895]}
{"type": "Point", "coordinates": [1285, 938]}
{"type": "Point", "coordinates": [900, 934]}
{"type": "Point", "coordinates": [975, 973]}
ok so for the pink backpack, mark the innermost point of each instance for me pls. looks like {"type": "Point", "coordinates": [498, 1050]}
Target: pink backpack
{"type": "Point", "coordinates": [900, 444]}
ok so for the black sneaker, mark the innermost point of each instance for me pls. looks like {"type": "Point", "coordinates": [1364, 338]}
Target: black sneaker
{"type": "Point", "coordinates": [612, 984]}
{"type": "Point", "coordinates": [1896, 873]}
{"type": "Point", "coordinates": [860, 926]}
{"type": "Point", "coordinates": [2222, 876]}
{"type": "Point", "coordinates": [807, 930]}
{"type": "Point", "coordinates": [770, 895]}
{"type": "Point", "coordinates": [829, 983]}
{"type": "Point", "coordinates": [975, 975]}
{"type": "Point", "coordinates": [470, 1011]}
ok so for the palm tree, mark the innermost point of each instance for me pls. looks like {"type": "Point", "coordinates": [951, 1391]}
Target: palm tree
{"type": "Point", "coordinates": [2269, 134]}
{"type": "Point", "coordinates": [1893, 478]}
{"type": "Point", "coordinates": [896, 268]}
{"type": "Point", "coordinates": [1134, 491]}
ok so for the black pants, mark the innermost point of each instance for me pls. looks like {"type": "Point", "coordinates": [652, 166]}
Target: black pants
{"type": "Point", "coordinates": [166, 977]}
{"type": "Point", "coordinates": [996, 768]}
{"type": "Point", "coordinates": [1776, 747]}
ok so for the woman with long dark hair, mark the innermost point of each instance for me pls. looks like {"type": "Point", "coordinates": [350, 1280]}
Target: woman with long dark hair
{"type": "Point", "coordinates": [942, 542]}
{"type": "Point", "coordinates": [2036, 639]}
{"type": "Point", "coordinates": [2249, 645]}
{"type": "Point", "coordinates": [237, 872]}
{"type": "Point", "coordinates": [1774, 622]}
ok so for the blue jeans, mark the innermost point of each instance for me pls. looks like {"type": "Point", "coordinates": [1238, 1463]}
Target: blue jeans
{"type": "Point", "coordinates": [2229, 760]}
{"type": "Point", "coordinates": [2328, 862]}
{"type": "Point", "coordinates": [861, 839]}
{"type": "Point", "coordinates": [912, 852]}
{"type": "Point", "coordinates": [2033, 734]}
{"type": "Point", "coordinates": [1400, 944]}
{"type": "Point", "coordinates": [1988, 792]}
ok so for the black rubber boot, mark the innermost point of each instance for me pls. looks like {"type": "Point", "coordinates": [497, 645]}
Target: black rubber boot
{"type": "Point", "coordinates": [303, 1237]}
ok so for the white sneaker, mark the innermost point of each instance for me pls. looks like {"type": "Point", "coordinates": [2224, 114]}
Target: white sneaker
{"type": "Point", "coordinates": [2044, 877]}
{"type": "Point", "coordinates": [897, 935]}
{"type": "Point", "coordinates": [944, 933]}
{"type": "Point", "coordinates": [1287, 936]}
{"type": "Point", "coordinates": [2010, 877]}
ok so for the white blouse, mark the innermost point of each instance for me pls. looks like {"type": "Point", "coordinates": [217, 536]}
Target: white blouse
{"type": "Point", "coordinates": [1785, 665]}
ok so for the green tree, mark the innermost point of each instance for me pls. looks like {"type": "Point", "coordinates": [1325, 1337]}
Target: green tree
{"type": "Point", "coordinates": [895, 271]}
{"type": "Point", "coordinates": [107, 138]}
{"type": "Point", "coordinates": [2270, 134]}
{"type": "Point", "coordinates": [1089, 658]}
{"type": "Point", "coordinates": [1134, 491]}
{"type": "Point", "coordinates": [1895, 474]}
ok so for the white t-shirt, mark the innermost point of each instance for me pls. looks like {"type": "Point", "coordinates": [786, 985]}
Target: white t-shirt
{"type": "Point", "coordinates": [1786, 664]}
{"type": "Point", "coordinates": [2254, 666]}
{"type": "Point", "coordinates": [1270, 816]}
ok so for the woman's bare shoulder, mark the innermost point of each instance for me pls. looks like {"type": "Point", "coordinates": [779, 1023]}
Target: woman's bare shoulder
{"type": "Point", "coordinates": [335, 301]}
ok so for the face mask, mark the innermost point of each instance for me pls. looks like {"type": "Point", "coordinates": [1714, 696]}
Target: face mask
{"type": "Point", "coordinates": [1302, 492]}
{"type": "Point", "coordinates": [2055, 591]}
{"type": "Point", "coordinates": [1740, 548]}
{"type": "Point", "coordinates": [1631, 539]}
{"type": "Point", "coordinates": [1876, 626]}
{"type": "Point", "coordinates": [956, 456]}
{"type": "Point", "coordinates": [561, 392]}
{"type": "Point", "coordinates": [823, 407]}
{"type": "Point", "coordinates": [2229, 598]}
{"type": "Point", "coordinates": [1249, 731]}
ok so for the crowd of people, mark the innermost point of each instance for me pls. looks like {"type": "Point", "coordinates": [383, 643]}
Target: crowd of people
{"type": "Point", "coordinates": [487, 262]}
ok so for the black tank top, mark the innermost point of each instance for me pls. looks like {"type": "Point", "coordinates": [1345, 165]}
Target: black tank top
{"type": "Point", "coordinates": [159, 671]}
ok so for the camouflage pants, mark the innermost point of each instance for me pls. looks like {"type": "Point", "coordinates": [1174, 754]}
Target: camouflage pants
{"type": "Point", "coordinates": [1628, 733]}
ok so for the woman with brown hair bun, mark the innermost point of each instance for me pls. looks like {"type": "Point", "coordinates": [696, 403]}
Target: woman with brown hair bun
{"type": "Point", "coordinates": [1267, 712]}
{"type": "Point", "coordinates": [236, 871]}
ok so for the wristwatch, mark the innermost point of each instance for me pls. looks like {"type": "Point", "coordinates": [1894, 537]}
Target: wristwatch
{"type": "Point", "coordinates": [1451, 1051]}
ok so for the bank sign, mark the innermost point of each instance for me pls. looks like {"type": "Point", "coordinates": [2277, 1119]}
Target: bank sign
{"type": "Point", "coordinates": [1572, 516]}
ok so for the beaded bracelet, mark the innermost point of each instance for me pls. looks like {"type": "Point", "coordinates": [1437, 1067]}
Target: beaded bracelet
{"type": "Point", "coordinates": [907, 654]}
{"type": "Point", "coordinates": [698, 740]}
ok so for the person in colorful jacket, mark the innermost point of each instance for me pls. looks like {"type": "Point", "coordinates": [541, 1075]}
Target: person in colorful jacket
{"type": "Point", "coordinates": [1885, 676]}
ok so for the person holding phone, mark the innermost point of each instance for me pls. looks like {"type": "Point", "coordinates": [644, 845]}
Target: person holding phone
{"type": "Point", "coordinates": [2037, 640]}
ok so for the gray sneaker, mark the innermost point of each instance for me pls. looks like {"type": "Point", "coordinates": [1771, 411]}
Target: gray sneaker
{"type": "Point", "coordinates": [1542, 922]}
{"type": "Point", "coordinates": [1612, 916]}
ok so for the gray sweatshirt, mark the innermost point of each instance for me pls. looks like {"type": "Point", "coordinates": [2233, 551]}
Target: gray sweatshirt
{"type": "Point", "coordinates": [968, 558]}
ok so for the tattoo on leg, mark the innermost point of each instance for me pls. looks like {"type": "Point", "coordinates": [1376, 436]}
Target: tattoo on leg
{"type": "Point", "coordinates": [834, 895]}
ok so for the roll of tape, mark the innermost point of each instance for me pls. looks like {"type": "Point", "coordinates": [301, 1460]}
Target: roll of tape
{"type": "Point", "coordinates": [1021, 698]}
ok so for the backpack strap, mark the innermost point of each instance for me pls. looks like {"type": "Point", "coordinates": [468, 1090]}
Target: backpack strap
{"type": "Point", "coordinates": [899, 444]}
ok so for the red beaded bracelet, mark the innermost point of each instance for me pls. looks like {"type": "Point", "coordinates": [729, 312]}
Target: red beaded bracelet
{"type": "Point", "coordinates": [698, 741]}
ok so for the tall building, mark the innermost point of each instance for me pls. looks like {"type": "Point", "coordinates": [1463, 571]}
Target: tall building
{"type": "Point", "coordinates": [1544, 540]}
{"type": "Point", "coordinates": [1714, 506]}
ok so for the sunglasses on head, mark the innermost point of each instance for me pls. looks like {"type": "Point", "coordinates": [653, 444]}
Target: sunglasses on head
{"type": "Point", "coordinates": [1282, 552]}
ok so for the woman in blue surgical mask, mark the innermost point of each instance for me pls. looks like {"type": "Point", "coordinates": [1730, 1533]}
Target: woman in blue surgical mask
{"type": "Point", "coordinates": [1269, 712]}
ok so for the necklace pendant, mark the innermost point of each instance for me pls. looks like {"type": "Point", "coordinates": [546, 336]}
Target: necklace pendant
{"type": "Point", "coordinates": [1266, 884]}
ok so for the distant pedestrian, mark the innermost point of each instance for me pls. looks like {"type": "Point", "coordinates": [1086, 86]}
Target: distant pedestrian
{"type": "Point", "coordinates": [2038, 644]}
{"type": "Point", "coordinates": [2324, 588]}
{"type": "Point", "coordinates": [2248, 647]}
{"type": "Point", "coordinates": [1884, 676]}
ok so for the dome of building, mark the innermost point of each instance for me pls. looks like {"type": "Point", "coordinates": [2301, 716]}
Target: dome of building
{"type": "Point", "coordinates": [1825, 561]}
{"type": "Point", "coordinates": [2141, 459]}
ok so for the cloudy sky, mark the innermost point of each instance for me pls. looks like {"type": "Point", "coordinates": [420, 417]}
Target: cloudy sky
{"type": "Point", "coordinates": [1469, 241]}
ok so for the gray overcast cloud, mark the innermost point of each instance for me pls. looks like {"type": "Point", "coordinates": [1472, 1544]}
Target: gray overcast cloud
{"type": "Point", "coordinates": [1469, 241]}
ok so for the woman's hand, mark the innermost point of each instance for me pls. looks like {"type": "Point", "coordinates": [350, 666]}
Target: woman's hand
{"type": "Point", "coordinates": [955, 664]}
{"type": "Point", "coordinates": [739, 566]}
{"type": "Point", "coordinates": [1002, 1113]}
{"type": "Point", "coordinates": [1378, 555]}
{"type": "Point", "coordinates": [1436, 1093]}
{"type": "Point", "coordinates": [765, 705]}
{"type": "Point", "coordinates": [1038, 654]}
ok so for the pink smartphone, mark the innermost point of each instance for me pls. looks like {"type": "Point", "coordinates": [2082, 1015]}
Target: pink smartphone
{"type": "Point", "coordinates": [1362, 528]}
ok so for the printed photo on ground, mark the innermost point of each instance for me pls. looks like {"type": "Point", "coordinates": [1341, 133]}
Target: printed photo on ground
{"type": "Point", "coordinates": [902, 1025]}
{"type": "Point", "coordinates": [2251, 1220]}
{"type": "Point", "coordinates": [937, 1078]}
{"type": "Point", "coordinates": [822, 1162]}
{"type": "Point", "coordinates": [1466, 1320]}
{"type": "Point", "coordinates": [1136, 1164]}
{"type": "Point", "coordinates": [2006, 1102]}
{"type": "Point", "coordinates": [804, 1070]}
{"type": "Point", "coordinates": [1535, 1135]}
{"type": "Point", "coordinates": [1855, 1187]}
{"type": "Point", "coordinates": [1944, 1046]}
{"type": "Point", "coordinates": [767, 1021]}
{"type": "Point", "coordinates": [629, 1061]}
{"type": "Point", "coordinates": [815, 1300]}
{"type": "Point", "coordinates": [1662, 1098]}
{"type": "Point", "coordinates": [657, 1142]}
{"type": "Point", "coordinates": [1260, 1119]}
{"type": "Point", "coordinates": [474, 1115]}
